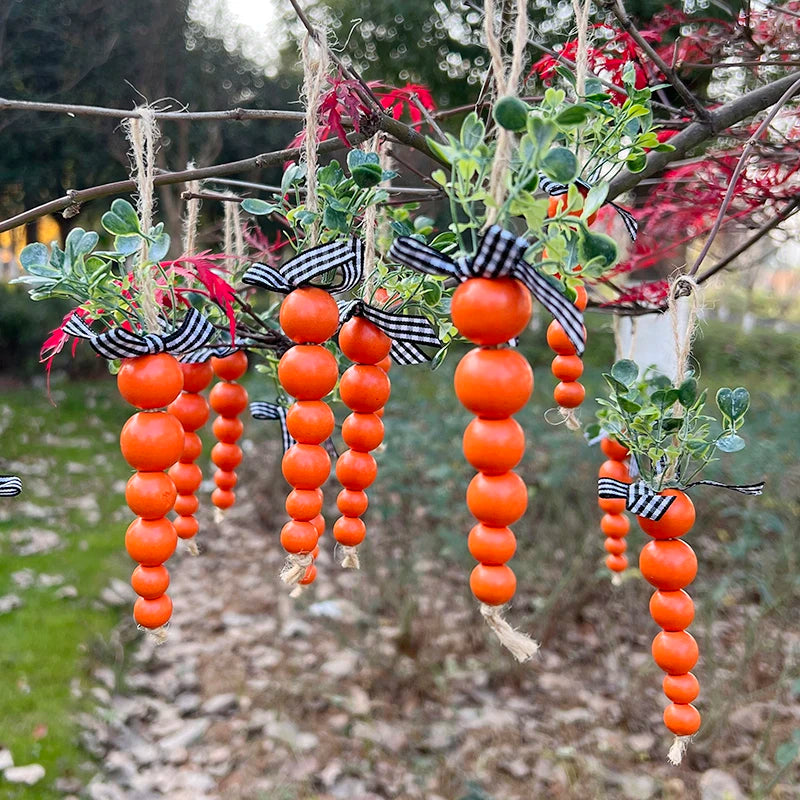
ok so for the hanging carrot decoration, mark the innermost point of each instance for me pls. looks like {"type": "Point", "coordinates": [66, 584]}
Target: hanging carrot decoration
{"type": "Point", "coordinates": [567, 366]}
{"type": "Point", "coordinates": [228, 399]}
{"type": "Point", "coordinates": [308, 372]}
{"type": "Point", "coordinates": [614, 524]}
{"type": "Point", "coordinates": [191, 409]}
{"type": "Point", "coordinates": [364, 388]}
{"type": "Point", "coordinates": [669, 564]}
{"type": "Point", "coordinates": [152, 440]}
{"type": "Point", "coordinates": [490, 307]}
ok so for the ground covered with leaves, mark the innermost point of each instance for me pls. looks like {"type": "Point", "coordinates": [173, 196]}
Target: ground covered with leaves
{"type": "Point", "coordinates": [384, 683]}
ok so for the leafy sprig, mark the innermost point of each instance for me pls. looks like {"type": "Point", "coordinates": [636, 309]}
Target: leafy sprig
{"type": "Point", "coordinates": [665, 426]}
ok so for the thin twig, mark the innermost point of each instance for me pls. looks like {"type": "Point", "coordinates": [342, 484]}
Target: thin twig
{"type": "Point", "coordinates": [740, 165]}
{"type": "Point", "coordinates": [264, 187]}
{"type": "Point", "coordinates": [730, 64]}
{"type": "Point", "coordinates": [680, 87]}
{"type": "Point", "coordinates": [428, 118]}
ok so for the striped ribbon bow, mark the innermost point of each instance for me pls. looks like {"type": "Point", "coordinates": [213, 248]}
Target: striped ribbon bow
{"type": "Point", "coordinates": [641, 500]}
{"type": "Point", "coordinates": [406, 331]}
{"type": "Point", "coordinates": [264, 410]}
{"type": "Point", "coordinates": [194, 331]}
{"type": "Point", "coordinates": [342, 259]}
{"type": "Point", "coordinates": [555, 189]}
{"type": "Point", "coordinates": [500, 253]}
{"type": "Point", "coordinates": [10, 485]}
{"type": "Point", "coordinates": [202, 354]}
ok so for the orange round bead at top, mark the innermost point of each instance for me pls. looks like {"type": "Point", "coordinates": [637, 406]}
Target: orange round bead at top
{"type": "Point", "coordinates": [309, 315]}
{"type": "Point", "coordinates": [493, 383]}
{"type": "Point", "coordinates": [232, 367]}
{"type": "Point", "coordinates": [677, 521]}
{"type": "Point", "coordinates": [616, 470]}
{"type": "Point", "coordinates": [150, 382]}
{"type": "Point", "coordinates": [363, 342]}
{"type": "Point", "coordinates": [491, 311]}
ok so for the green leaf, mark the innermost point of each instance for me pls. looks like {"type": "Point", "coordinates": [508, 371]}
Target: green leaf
{"type": "Point", "coordinates": [554, 97]}
{"type": "Point", "coordinates": [592, 430]}
{"type": "Point", "coordinates": [636, 161]}
{"type": "Point", "coordinates": [597, 246]}
{"type": "Point", "coordinates": [731, 443]}
{"type": "Point", "coordinates": [733, 403]}
{"type": "Point", "coordinates": [441, 151]}
{"type": "Point", "coordinates": [127, 245]}
{"type": "Point", "coordinates": [367, 175]}
{"type": "Point", "coordinates": [510, 113]}
{"type": "Point", "coordinates": [542, 132]}
{"type": "Point", "coordinates": [561, 165]}
{"type": "Point", "coordinates": [664, 398]}
{"type": "Point", "coordinates": [126, 212]}
{"type": "Point", "coordinates": [293, 175]}
{"type": "Point", "coordinates": [625, 371]}
{"type": "Point", "coordinates": [257, 207]}
{"type": "Point", "coordinates": [472, 131]}
{"type": "Point", "coordinates": [439, 358]}
{"type": "Point", "coordinates": [356, 157]}
{"type": "Point", "coordinates": [671, 424]}
{"type": "Point", "coordinates": [595, 198]}
{"type": "Point", "coordinates": [33, 256]}
{"type": "Point", "coordinates": [629, 406]}
{"type": "Point", "coordinates": [159, 247]}
{"type": "Point", "coordinates": [568, 76]}
{"type": "Point", "coordinates": [330, 175]}
{"type": "Point", "coordinates": [335, 220]}
{"type": "Point", "coordinates": [687, 392]}
{"type": "Point", "coordinates": [572, 116]}
{"type": "Point", "coordinates": [116, 225]}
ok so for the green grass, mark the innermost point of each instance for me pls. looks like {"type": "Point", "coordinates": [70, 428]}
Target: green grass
{"type": "Point", "coordinates": [48, 641]}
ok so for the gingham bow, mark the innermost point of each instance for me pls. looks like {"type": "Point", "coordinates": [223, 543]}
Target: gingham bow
{"type": "Point", "coordinates": [406, 331]}
{"type": "Point", "coordinates": [264, 410]}
{"type": "Point", "coordinates": [10, 485]}
{"type": "Point", "coordinates": [555, 189]}
{"type": "Point", "coordinates": [202, 354]}
{"type": "Point", "coordinates": [500, 253]}
{"type": "Point", "coordinates": [343, 259]}
{"type": "Point", "coordinates": [641, 500]}
{"type": "Point", "coordinates": [194, 331]}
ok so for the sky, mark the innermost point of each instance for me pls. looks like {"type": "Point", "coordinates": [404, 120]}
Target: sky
{"type": "Point", "coordinates": [250, 25]}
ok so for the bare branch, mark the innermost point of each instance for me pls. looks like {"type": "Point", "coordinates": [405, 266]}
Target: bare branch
{"type": "Point", "coordinates": [177, 116]}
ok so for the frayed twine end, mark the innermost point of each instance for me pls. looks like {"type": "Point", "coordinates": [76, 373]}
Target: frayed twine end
{"type": "Point", "coordinates": [570, 418]}
{"type": "Point", "coordinates": [521, 646]}
{"type": "Point", "coordinates": [157, 635]}
{"type": "Point", "coordinates": [678, 749]}
{"type": "Point", "coordinates": [297, 591]}
{"type": "Point", "coordinates": [219, 516]}
{"type": "Point", "coordinates": [295, 568]}
{"type": "Point", "coordinates": [616, 579]}
{"type": "Point", "coordinates": [350, 559]}
{"type": "Point", "coordinates": [191, 548]}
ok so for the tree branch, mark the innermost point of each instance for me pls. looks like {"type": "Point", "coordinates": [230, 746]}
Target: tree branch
{"type": "Point", "coordinates": [178, 116]}
{"type": "Point", "coordinates": [700, 131]}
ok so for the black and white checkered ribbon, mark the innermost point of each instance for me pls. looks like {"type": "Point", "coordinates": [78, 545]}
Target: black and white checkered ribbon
{"type": "Point", "coordinates": [339, 264]}
{"type": "Point", "coordinates": [555, 189]}
{"type": "Point", "coordinates": [193, 332]}
{"type": "Point", "coordinates": [202, 354]}
{"type": "Point", "coordinates": [500, 254]}
{"type": "Point", "coordinates": [641, 500]}
{"type": "Point", "coordinates": [10, 485]}
{"type": "Point", "coordinates": [264, 410]}
{"type": "Point", "coordinates": [407, 331]}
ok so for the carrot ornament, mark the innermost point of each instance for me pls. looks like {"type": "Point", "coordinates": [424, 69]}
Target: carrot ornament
{"type": "Point", "coordinates": [367, 336]}
{"type": "Point", "coordinates": [666, 431]}
{"type": "Point", "coordinates": [191, 410]}
{"type": "Point", "coordinates": [308, 372]}
{"type": "Point", "coordinates": [229, 399]}
{"type": "Point", "coordinates": [567, 366]}
{"type": "Point", "coordinates": [491, 306]}
{"type": "Point", "coordinates": [614, 524]}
